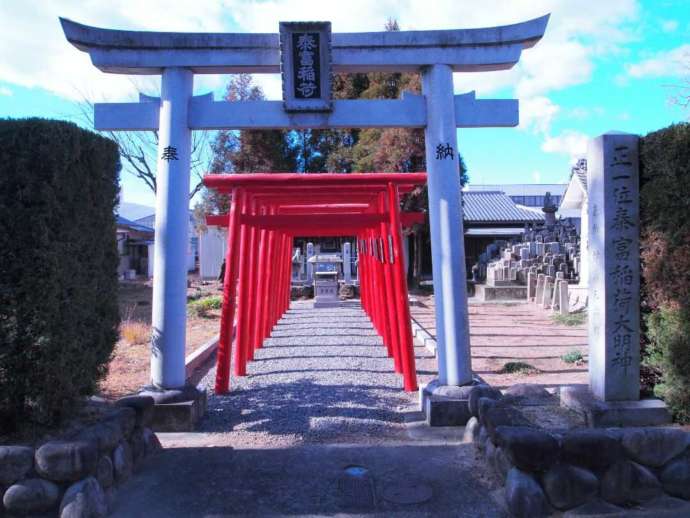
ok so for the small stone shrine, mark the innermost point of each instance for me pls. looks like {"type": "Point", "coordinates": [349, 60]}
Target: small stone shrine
{"type": "Point", "coordinates": [326, 268]}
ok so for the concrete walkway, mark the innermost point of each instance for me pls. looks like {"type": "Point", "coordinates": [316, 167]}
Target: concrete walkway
{"type": "Point", "coordinates": [319, 427]}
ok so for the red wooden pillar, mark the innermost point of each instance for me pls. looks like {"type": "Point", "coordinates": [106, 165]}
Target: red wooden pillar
{"type": "Point", "coordinates": [252, 292]}
{"type": "Point", "coordinates": [229, 295]}
{"type": "Point", "coordinates": [376, 302]}
{"type": "Point", "coordinates": [270, 279]}
{"type": "Point", "coordinates": [400, 280]}
{"type": "Point", "coordinates": [284, 293]}
{"type": "Point", "coordinates": [242, 313]}
{"type": "Point", "coordinates": [259, 324]}
{"type": "Point", "coordinates": [391, 314]}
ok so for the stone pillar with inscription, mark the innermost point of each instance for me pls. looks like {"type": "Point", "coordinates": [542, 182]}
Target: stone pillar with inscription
{"type": "Point", "coordinates": [169, 307]}
{"type": "Point", "coordinates": [614, 273]}
{"type": "Point", "coordinates": [445, 221]}
{"type": "Point", "coordinates": [445, 400]}
{"type": "Point", "coordinates": [613, 397]}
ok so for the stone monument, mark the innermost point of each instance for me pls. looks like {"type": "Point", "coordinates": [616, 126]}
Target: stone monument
{"type": "Point", "coordinates": [613, 398]}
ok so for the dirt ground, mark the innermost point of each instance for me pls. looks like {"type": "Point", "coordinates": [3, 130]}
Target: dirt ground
{"type": "Point", "coordinates": [517, 332]}
{"type": "Point", "coordinates": [129, 369]}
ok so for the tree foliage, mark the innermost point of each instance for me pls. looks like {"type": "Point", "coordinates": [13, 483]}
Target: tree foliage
{"type": "Point", "coordinates": [664, 207]}
{"type": "Point", "coordinates": [58, 267]}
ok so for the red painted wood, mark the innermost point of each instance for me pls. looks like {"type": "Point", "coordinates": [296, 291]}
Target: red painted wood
{"type": "Point", "coordinates": [403, 307]}
{"type": "Point", "coordinates": [222, 384]}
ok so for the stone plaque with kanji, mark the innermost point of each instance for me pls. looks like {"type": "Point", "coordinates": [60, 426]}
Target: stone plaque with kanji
{"type": "Point", "coordinates": [305, 60]}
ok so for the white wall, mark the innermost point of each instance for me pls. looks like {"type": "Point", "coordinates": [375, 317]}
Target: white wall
{"type": "Point", "coordinates": [212, 245]}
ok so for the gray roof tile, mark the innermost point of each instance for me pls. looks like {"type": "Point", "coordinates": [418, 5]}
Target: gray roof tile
{"type": "Point", "coordinates": [495, 207]}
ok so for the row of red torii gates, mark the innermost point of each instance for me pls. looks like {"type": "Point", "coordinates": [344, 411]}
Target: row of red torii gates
{"type": "Point", "coordinates": [268, 210]}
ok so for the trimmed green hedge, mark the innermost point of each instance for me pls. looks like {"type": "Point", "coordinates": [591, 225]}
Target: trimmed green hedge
{"type": "Point", "coordinates": [58, 267]}
{"type": "Point", "coordinates": [665, 214]}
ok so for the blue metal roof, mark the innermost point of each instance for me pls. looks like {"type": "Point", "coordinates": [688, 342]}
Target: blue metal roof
{"type": "Point", "coordinates": [124, 222]}
{"type": "Point", "coordinates": [495, 207]}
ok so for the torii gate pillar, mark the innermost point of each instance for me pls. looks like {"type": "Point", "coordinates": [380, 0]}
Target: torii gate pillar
{"type": "Point", "coordinates": [169, 308]}
{"type": "Point", "coordinates": [445, 219]}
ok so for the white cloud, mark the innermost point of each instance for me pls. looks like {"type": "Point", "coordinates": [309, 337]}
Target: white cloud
{"type": "Point", "coordinates": [562, 59]}
{"type": "Point", "coordinates": [537, 113]}
{"type": "Point", "coordinates": [536, 176]}
{"type": "Point", "coordinates": [43, 58]}
{"type": "Point", "coordinates": [569, 142]}
{"type": "Point", "coordinates": [668, 63]}
{"type": "Point", "coordinates": [5, 91]}
{"type": "Point", "coordinates": [669, 25]}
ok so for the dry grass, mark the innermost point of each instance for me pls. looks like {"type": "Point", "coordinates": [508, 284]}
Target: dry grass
{"type": "Point", "coordinates": [133, 331]}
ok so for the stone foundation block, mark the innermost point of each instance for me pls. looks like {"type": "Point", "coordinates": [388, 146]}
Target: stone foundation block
{"type": "Point", "coordinates": [524, 495]}
{"type": "Point", "coordinates": [177, 410]}
{"type": "Point", "coordinates": [32, 495]}
{"type": "Point", "coordinates": [605, 414]}
{"type": "Point", "coordinates": [627, 482]}
{"type": "Point", "coordinates": [15, 463]}
{"type": "Point", "coordinates": [568, 486]}
{"type": "Point", "coordinates": [530, 449]}
{"type": "Point", "coordinates": [445, 405]}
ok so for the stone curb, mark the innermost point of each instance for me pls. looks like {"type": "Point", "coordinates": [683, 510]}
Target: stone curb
{"type": "Point", "coordinates": [198, 357]}
{"type": "Point", "coordinates": [423, 337]}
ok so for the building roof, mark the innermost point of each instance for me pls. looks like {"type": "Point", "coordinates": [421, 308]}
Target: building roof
{"type": "Point", "coordinates": [134, 211]}
{"type": "Point", "coordinates": [494, 232]}
{"type": "Point", "coordinates": [521, 189]}
{"type": "Point", "coordinates": [496, 207]}
{"type": "Point", "coordinates": [124, 222]}
{"type": "Point", "coordinates": [580, 171]}
{"type": "Point", "coordinates": [576, 193]}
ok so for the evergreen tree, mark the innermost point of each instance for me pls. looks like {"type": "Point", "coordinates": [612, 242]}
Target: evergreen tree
{"type": "Point", "coordinates": [246, 151]}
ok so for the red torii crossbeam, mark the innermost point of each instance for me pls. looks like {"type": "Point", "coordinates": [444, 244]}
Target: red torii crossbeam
{"type": "Point", "coordinates": [268, 210]}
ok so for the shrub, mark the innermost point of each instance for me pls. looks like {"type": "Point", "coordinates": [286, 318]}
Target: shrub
{"type": "Point", "coordinates": [573, 357]}
{"type": "Point", "coordinates": [201, 307]}
{"type": "Point", "coordinates": [518, 368]}
{"type": "Point", "coordinates": [668, 351]}
{"type": "Point", "coordinates": [664, 209]}
{"type": "Point", "coordinates": [58, 267]}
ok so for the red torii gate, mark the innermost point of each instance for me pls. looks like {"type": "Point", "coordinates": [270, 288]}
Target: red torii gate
{"type": "Point", "coordinates": [268, 210]}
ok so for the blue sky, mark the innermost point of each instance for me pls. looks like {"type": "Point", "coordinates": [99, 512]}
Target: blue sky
{"type": "Point", "coordinates": [603, 65]}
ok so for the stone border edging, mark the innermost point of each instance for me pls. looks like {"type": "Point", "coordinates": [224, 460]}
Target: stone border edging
{"type": "Point", "coordinates": [608, 470]}
{"type": "Point", "coordinates": [423, 337]}
{"type": "Point", "coordinates": [199, 356]}
{"type": "Point", "coordinates": [77, 476]}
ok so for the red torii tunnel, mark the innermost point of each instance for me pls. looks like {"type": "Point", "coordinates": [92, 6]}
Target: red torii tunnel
{"type": "Point", "coordinates": [268, 210]}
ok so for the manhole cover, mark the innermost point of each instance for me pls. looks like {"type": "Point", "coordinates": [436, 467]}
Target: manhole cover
{"type": "Point", "coordinates": [356, 487]}
{"type": "Point", "coordinates": [356, 471]}
{"type": "Point", "coordinates": [407, 493]}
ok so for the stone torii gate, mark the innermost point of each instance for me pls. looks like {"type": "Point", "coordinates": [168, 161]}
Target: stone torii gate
{"type": "Point", "coordinates": [177, 57]}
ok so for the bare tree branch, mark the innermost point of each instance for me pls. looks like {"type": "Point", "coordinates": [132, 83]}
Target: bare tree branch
{"type": "Point", "coordinates": [139, 150]}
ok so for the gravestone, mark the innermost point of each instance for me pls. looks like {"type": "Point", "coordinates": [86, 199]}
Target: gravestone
{"type": "Point", "coordinates": [347, 262]}
{"type": "Point", "coordinates": [310, 264]}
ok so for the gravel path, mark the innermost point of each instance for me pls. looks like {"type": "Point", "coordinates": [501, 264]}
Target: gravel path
{"type": "Point", "coordinates": [320, 399]}
{"type": "Point", "coordinates": [323, 376]}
